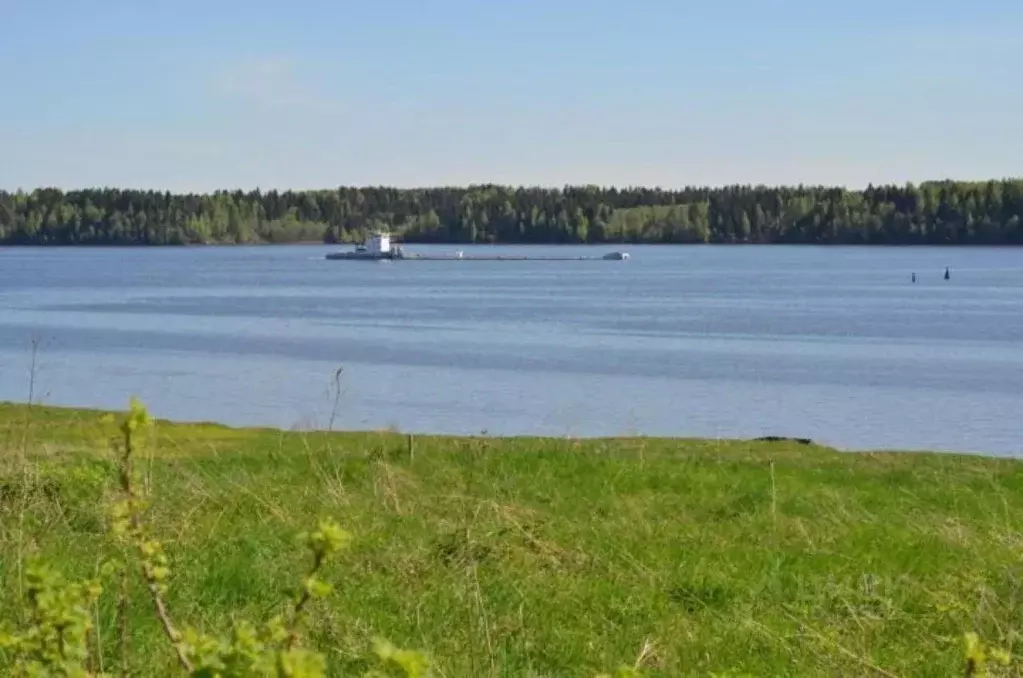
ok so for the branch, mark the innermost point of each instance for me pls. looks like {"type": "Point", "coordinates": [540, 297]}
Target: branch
{"type": "Point", "coordinates": [149, 573]}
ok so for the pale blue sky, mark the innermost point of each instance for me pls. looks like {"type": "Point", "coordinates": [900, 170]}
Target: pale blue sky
{"type": "Point", "coordinates": [190, 95]}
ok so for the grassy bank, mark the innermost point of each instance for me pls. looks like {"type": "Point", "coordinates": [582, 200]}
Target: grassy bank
{"type": "Point", "coordinates": [544, 557]}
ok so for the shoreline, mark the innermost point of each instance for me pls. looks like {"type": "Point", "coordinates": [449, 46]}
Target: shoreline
{"type": "Point", "coordinates": [432, 243]}
{"type": "Point", "coordinates": [12, 408]}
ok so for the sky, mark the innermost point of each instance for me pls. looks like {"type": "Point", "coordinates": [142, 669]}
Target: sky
{"type": "Point", "coordinates": [190, 95]}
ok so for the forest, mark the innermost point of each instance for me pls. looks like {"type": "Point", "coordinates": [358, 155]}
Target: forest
{"type": "Point", "coordinates": [936, 212]}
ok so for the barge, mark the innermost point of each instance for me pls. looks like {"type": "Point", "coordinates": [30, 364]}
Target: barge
{"type": "Point", "coordinates": [379, 247]}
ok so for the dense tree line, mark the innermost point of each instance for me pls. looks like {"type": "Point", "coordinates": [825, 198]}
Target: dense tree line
{"type": "Point", "coordinates": [929, 213]}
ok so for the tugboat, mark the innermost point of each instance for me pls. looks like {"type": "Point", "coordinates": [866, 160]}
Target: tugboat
{"type": "Point", "coordinates": [377, 247]}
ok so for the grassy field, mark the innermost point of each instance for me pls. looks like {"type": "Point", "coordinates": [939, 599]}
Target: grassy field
{"type": "Point", "coordinates": [546, 557]}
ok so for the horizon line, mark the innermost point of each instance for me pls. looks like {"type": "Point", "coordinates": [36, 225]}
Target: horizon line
{"type": "Point", "coordinates": [516, 187]}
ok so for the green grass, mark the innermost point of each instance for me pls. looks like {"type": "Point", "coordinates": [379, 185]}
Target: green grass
{"type": "Point", "coordinates": [547, 557]}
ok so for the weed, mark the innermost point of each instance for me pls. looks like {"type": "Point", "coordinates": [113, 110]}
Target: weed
{"type": "Point", "coordinates": [55, 640]}
{"type": "Point", "coordinates": [496, 557]}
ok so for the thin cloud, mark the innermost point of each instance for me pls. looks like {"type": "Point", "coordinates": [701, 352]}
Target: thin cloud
{"type": "Point", "coordinates": [277, 83]}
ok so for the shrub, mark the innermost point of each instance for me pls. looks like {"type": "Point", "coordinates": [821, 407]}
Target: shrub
{"type": "Point", "coordinates": [58, 639]}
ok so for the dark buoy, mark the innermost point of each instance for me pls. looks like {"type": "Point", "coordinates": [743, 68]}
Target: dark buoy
{"type": "Point", "coordinates": [914, 277]}
{"type": "Point", "coordinates": [947, 276]}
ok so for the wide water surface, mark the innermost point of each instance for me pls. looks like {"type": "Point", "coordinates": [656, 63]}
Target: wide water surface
{"type": "Point", "coordinates": [835, 344]}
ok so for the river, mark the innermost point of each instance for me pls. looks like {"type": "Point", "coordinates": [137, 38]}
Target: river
{"type": "Point", "coordinates": [831, 343]}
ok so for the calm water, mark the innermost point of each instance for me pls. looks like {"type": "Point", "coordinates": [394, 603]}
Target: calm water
{"type": "Point", "coordinates": [835, 344]}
